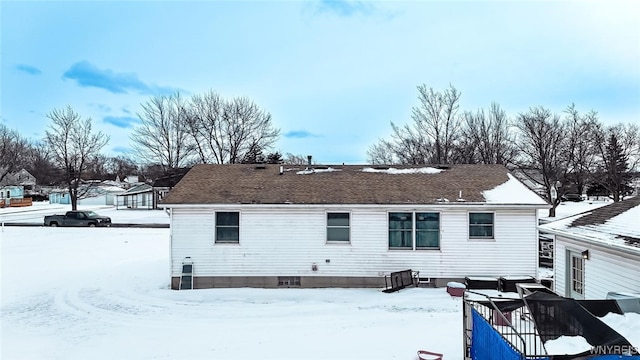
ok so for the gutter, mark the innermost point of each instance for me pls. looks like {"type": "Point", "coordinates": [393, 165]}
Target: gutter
{"type": "Point", "coordinates": [448, 206]}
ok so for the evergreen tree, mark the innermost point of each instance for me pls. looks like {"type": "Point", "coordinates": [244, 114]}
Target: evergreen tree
{"type": "Point", "coordinates": [615, 175]}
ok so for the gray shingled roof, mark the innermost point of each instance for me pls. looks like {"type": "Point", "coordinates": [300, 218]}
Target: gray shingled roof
{"type": "Point", "coordinates": [263, 184]}
{"type": "Point", "coordinates": [142, 188]}
{"type": "Point", "coordinates": [604, 213]}
{"type": "Point", "coordinates": [612, 225]}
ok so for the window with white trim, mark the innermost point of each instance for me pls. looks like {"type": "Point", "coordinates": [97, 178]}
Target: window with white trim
{"type": "Point", "coordinates": [404, 227]}
{"type": "Point", "coordinates": [427, 230]}
{"type": "Point", "coordinates": [228, 227]}
{"type": "Point", "coordinates": [481, 225]}
{"type": "Point", "coordinates": [338, 227]}
{"type": "Point", "coordinates": [577, 275]}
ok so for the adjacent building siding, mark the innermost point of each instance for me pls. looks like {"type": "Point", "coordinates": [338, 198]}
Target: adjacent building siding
{"type": "Point", "coordinates": [606, 269]}
{"type": "Point", "coordinates": [560, 266]}
{"type": "Point", "coordinates": [289, 241]}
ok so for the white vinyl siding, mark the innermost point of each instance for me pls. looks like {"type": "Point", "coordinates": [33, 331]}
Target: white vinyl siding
{"type": "Point", "coordinates": [606, 270]}
{"type": "Point", "coordinates": [288, 240]}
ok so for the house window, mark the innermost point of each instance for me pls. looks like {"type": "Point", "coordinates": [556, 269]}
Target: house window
{"type": "Point", "coordinates": [577, 275]}
{"type": "Point", "coordinates": [400, 230]}
{"type": "Point", "coordinates": [427, 230]}
{"type": "Point", "coordinates": [338, 227]}
{"type": "Point", "coordinates": [481, 225]}
{"type": "Point", "coordinates": [228, 227]}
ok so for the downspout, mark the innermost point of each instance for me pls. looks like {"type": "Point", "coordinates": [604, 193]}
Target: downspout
{"type": "Point", "coordinates": [170, 213]}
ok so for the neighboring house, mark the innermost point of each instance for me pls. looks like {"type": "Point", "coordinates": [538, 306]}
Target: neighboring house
{"type": "Point", "coordinates": [59, 196]}
{"type": "Point", "coordinates": [598, 251]}
{"type": "Point", "coordinates": [12, 192]}
{"type": "Point", "coordinates": [130, 181]}
{"type": "Point", "coordinates": [96, 194]}
{"type": "Point", "coordinates": [145, 196]}
{"type": "Point", "coordinates": [349, 226]}
{"type": "Point", "coordinates": [25, 179]}
{"type": "Point", "coordinates": [101, 194]}
{"type": "Point", "coordinates": [21, 178]}
{"type": "Point", "coordinates": [138, 197]}
{"type": "Point", "coordinates": [164, 184]}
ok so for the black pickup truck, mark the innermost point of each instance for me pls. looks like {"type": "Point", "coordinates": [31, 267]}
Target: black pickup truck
{"type": "Point", "coordinates": [77, 218]}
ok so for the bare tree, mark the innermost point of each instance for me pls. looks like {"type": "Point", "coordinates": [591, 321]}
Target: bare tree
{"type": "Point", "coordinates": [39, 164]}
{"type": "Point", "coordinates": [205, 127]}
{"type": "Point", "coordinates": [581, 137]}
{"type": "Point", "coordinates": [162, 137]}
{"type": "Point", "coordinates": [407, 146]}
{"type": "Point", "coordinates": [487, 138]}
{"type": "Point", "coordinates": [380, 153]}
{"type": "Point", "coordinates": [431, 139]}
{"type": "Point", "coordinates": [72, 144]}
{"type": "Point", "coordinates": [122, 166]}
{"type": "Point", "coordinates": [229, 131]}
{"type": "Point", "coordinates": [13, 150]}
{"type": "Point", "coordinates": [291, 159]}
{"type": "Point", "coordinates": [437, 119]}
{"type": "Point", "coordinates": [542, 147]}
{"type": "Point", "coordinates": [248, 128]}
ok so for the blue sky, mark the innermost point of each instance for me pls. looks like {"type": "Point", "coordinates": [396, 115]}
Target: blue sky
{"type": "Point", "coordinates": [333, 74]}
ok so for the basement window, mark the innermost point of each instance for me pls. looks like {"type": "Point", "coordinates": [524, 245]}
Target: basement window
{"type": "Point", "coordinates": [288, 281]}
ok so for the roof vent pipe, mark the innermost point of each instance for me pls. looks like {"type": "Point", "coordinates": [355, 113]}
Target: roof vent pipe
{"type": "Point", "coordinates": [281, 169]}
{"type": "Point", "coordinates": [309, 160]}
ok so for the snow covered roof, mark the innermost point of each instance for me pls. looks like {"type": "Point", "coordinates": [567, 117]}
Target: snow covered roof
{"type": "Point", "coordinates": [111, 188]}
{"type": "Point", "coordinates": [513, 188]}
{"type": "Point", "coordinates": [142, 188]}
{"type": "Point", "coordinates": [616, 225]}
{"type": "Point", "coordinates": [392, 170]}
{"type": "Point", "coordinates": [454, 185]}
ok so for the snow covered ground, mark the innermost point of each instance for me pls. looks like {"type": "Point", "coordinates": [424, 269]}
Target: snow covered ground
{"type": "Point", "coordinates": [35, 214]}
{"type": "Point", "coordinates": [102, 293]}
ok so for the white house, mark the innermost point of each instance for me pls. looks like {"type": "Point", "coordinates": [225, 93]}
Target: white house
{"type": "Point", "coordinates": [92, 194]}
{"type": "Point", "coordinates": [598, 251]}
{"type": "Point", "coordinates": [137, 197]}
{"type": "Point", "coordinates": [349, 226]}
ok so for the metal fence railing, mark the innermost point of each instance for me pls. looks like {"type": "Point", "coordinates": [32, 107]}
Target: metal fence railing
{"type": "Point", "coordinates": [511, 322]}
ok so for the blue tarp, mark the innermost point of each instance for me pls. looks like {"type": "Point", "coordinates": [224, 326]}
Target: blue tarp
{"type": "Point", "coordinates": [487, 344]}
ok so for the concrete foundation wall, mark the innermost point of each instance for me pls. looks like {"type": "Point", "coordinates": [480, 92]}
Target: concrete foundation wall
{"type": "Point", "coordinates": [208, 282]}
